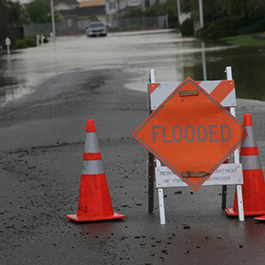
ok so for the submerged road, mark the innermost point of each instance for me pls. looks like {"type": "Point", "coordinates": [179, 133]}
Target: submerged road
{"type": "Point", "coordinates": [172, 56]}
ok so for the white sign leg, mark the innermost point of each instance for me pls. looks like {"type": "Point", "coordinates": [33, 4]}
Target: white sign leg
{"type": "Point", "coordinates": [236, 159]}
{"type": "Point", "coordinates": [161, 206]}
{"type": "Point", "coordinates": [240, 203]}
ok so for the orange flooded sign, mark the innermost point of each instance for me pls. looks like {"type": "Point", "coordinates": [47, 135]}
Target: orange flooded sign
{"type": "Point", "coordinates": [191, 133]}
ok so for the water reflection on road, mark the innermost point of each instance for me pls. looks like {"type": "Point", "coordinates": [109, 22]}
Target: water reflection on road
{"type": "Point", "coordinates": [173, 57]}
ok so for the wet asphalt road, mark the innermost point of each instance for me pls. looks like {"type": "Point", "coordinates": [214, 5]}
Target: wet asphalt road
{"type": "Point", "coordinates": [42, 139]}
{"type": "Point", "coordinates": [42, 142]}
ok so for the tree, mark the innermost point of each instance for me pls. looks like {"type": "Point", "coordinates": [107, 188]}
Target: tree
{"type": "Point", "coordinates": [155, 10]}
{"type": "Point", "coordinates": [14, 12]}
{"type": "Point", "coordinates": [211, 9]}
{"type": "Point", "coordinates": [253, 9]}
{"type": "Point", "coordinates": [172, 6]}
{"type": "Point", "coordinates": [4, 25]}
{"type": "Point", "coordinates": [135, 12]}
{"type": "Point", "coordinates": [10, 14]}
{"type": "Point", "coordinates": [36, 12]}
{"type": "Point", "coordinates": [172, 11]}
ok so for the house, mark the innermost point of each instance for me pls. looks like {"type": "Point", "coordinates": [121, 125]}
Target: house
{"type": "Point", "coordinates": [114, 7]}
{"type": "Point", "coordinates": [80, 17]}
{"type": "Point", "coordinates": [63, 4]}
{"type": "Point", "coordinates": [77, 18]}
{"type": "Point", "coordinates": [92, 3]}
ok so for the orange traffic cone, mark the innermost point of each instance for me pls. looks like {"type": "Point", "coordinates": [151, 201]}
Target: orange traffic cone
{"type": "Point", "coordinates": [94, 199]}
{"type": "Point", "coordinates": [260, 218]}
{"type": "Point", "coordinates": [253, 188]}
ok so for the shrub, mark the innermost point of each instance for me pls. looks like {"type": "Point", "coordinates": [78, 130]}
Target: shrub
{"type": "Point", "coordinates": [26, 43]}
{"type": "Point", "coordinates": [45, 40]}
{"type": "Point", "coordinates": [186, 28]}
{"type": "Point", "coordinates": [221, 28]}
{"type": "Point", "coordinates": [20, 44]}
{"type": "Point", "coordinates": [30, 42]}
{"type": "Point", "coordinates": [257, 27]}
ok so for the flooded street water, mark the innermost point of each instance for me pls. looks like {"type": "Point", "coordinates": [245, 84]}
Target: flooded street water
{"type": "Point", "coordinates": [173, 57]}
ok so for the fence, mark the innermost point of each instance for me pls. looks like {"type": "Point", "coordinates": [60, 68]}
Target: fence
{"type": "Point", "coordinates": [31, 30]}
{"type": "Point", "coordinates": [114, 24]}
{"type": "Point", "coordinates": [127, 24]}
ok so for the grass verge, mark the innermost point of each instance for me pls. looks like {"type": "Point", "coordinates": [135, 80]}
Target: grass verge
{"type": "Point", "coordinates": [256, 39]}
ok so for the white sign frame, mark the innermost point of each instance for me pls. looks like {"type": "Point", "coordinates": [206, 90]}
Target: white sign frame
{"type": "Point", "coordinates": [233, 179]}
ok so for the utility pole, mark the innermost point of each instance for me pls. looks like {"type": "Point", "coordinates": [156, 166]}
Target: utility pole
{"type": "Point", "coordinates": [53, 22]}
{"type": "Point", "coordinates": [201, 13]}
{"type": "Point", "coordinates": [179, 12]}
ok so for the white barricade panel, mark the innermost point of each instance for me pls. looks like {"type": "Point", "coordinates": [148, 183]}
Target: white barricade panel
{"type": "Point", "coordinates": [225, 174]}
{"type": "Point", "coordinates": [225, 96]}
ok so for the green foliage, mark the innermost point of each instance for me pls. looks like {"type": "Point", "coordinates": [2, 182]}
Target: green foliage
{"type": "Point", "coordinates": [173, 21]}
{"type": "Point", "coordinates": [20, 44]}
{"type": "Point", "coordinates": [45, 40]}
{"type": "Point", "coordinates": [236, 17]}
{"type": "Point", "coordinates": [243, 7]}
{"type": "Point", "coordinates": [4, 25]}
{"type": "Point", "coordinates": [36, 12]}
{"type": "Point", "coordinates": [172, 7]}
{"type": "Point", "coordinates": [135, 12]}
{"type": "Point", "coordinates": [153, 11]}
{"type": "Point", "coordinates": [257, 27]}
{"type": "Point", "coordinates": [14, 12]}
{"type": "Point", "coordinates": [211, 9]}
{"type": "Point", "coordinates": [9, 16]}
{"type": "Point", "coordinates": [30, 42]}
{"type": "Point", "coordinates": [26, 43]}
{"type": "Point", "coordinates": [221, 28]}
{"type": "Point", "coordinates": [233, 8]}
{"type": "Point", "coordinates": [186, 28]}
{"type": "Point", "coordinates": [257, 39]}
{"type": "Point", "coordinates": [188, 6]}
{"type": "Point", "coordinates": [172, 12]}
{"type": "Point", "coordinates": [195, 15]}
{"type": "Point", "coordinates": [224, 18]}
{"type": "Point", "coordinates": [230, 26]}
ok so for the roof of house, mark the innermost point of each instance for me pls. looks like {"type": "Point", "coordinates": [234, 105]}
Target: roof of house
{"type": "Point", "coordinates": [84, 11]}
{"type": "Point", "coordinates": [68, 2]}
{"type": "Point", "coordinates": [92, 3]}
